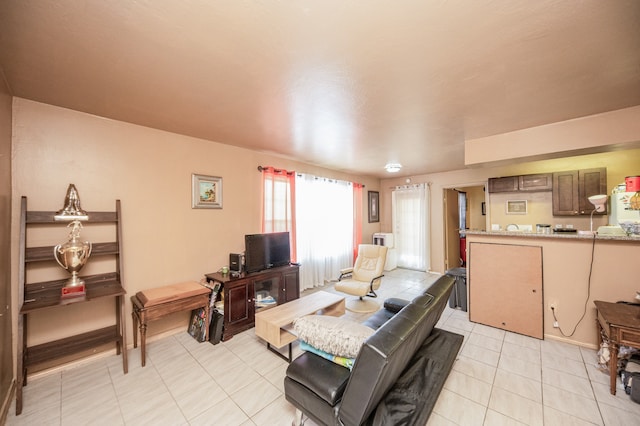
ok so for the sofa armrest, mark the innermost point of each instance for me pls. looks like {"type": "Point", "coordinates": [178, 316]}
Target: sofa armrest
{"type": "Point", "coordinates": [393, 304]}
{"type": "Point", "coordinates": [322, 377]}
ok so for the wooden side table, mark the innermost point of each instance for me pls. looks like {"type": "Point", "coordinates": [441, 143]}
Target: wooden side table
{"type": "Point", "coordinates": [620, 322]}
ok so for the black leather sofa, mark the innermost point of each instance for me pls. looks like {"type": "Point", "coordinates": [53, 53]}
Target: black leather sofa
{"type": "Point", "coordinates": [398, 373]}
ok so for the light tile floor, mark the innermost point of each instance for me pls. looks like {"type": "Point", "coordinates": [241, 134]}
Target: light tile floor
{"type": "Point", "coordinates": [499, 378]}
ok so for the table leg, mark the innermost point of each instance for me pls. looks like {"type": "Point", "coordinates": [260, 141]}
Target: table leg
{"type": "Point", "coordinates": [207, 320]}
{"type": "Point", "coordinates": [613, 366]}
{"type": "Point", "coordinates": [143, 340]}
{"type": "Point", "coordinates": [134, 320]}
{"type": "Point", "coordinates": [277, 352]}
{"type": "Point", "coordinates": [122, 327]}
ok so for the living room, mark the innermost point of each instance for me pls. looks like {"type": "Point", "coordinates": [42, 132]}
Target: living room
{"type": "Point", "coordinates": [45, 147]}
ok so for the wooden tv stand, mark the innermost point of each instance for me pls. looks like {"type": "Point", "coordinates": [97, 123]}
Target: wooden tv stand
{"type": "Point", "coordinates": [246, 294]}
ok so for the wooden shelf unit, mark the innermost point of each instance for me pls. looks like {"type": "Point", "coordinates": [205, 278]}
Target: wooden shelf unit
{"type": "Point", "coordinates": [48, 294]}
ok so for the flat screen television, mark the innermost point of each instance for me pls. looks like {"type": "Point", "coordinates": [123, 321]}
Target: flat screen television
{"type": "Point", "coordinates": [264, 251]}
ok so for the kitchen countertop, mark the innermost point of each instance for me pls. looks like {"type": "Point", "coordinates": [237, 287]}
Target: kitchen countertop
{"type": "Point", "coordinates": [563, 235]}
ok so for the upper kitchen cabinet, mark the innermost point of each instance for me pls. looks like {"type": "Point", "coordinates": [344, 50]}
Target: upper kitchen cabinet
{"type": "Point", "coordinates": [537, 182]}
{"type": "Point", "coordinates": [572, 189]}
{"type": "Point", "coordinates": [503, 184]}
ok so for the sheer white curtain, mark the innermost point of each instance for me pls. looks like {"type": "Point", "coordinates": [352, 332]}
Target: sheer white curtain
{"type": "Point", "coordinates": [409, 210]}
{"type": "Point", "coordinates": [324, 228]}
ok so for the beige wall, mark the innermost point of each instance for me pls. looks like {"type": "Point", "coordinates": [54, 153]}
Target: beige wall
{"type": "Point", "coordinates": [6, 357]}
{"type": "Point", "coordinates": [593, 133]}
{"type": "Point", "coordinates": [618, 163]}
{"type": "Point", "coordinates": [165, 240]}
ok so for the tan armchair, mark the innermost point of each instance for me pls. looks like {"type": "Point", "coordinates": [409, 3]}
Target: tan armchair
{"type": "Point", "coordinates": [363, 278]}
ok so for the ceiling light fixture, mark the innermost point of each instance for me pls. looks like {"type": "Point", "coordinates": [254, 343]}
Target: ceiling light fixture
{"type": "Point", "coordinates": [393, 167]}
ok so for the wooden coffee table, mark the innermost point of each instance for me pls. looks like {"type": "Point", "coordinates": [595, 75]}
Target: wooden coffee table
{"type": "Point", "coordinates": [275, 325]}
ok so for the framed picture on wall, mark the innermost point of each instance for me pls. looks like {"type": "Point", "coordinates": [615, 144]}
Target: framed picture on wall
{"type": "Point", "coordinates": [516, 207]}
{"type": "Point", "coordinates": [206, 192]}
{"type": "Point", "coordinates": [374, 206]}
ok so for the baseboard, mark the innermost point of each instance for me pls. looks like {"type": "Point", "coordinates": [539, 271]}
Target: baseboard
{"type": "Point", "coordinates": [571, 342]}
{"type": "Point", "coordinates": [6, 403]}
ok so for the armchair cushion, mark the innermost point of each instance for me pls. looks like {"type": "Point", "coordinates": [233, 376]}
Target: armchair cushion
{"type": "Point", "coordinates": [333, 335]}
{"type": "Point", "coordinates": [353, 287]}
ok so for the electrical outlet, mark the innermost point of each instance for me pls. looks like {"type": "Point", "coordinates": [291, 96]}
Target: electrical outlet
{"type": "Point", "coordinates": [553, 305]}
{"type": "Point", "coordinates": [555, 324]}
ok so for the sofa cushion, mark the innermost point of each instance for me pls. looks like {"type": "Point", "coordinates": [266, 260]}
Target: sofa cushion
{"type": "Point", "coordinates": [324, 379]}
{"type": "Point", "coordinates": [378, 319]}
{"type": "Point", "coordinates": [333, 335]}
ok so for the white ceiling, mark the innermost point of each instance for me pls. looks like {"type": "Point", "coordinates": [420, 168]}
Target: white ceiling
{"type": "Point", "coordinates": [348, 85]}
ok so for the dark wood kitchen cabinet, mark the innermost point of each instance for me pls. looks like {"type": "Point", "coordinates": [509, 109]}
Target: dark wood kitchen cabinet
{"type": "Point", "coordinates": [524, 183]}
{"type": "Point", "coordinates": [572, 189]}
{"type": "Point", "coordinates": [537, 182]}
{"type": "Point", "coordinates": [503, 184]}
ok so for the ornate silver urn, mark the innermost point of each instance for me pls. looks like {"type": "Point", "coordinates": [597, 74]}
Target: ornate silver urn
{"type": "Point", "coordinates": [72, 256]}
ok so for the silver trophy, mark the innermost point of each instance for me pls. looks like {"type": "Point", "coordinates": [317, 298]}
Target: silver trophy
{"type": "Point", "coordinates": [72, 256]}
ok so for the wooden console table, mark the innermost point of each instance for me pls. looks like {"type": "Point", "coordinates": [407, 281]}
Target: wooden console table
{"type": "Point", "coordinates": [156, 303]}
{"type": "Point", "coordinates": [620, 322]}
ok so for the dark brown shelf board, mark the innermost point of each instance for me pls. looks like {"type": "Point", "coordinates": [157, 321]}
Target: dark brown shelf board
{"type": "Point", "coordinates": [43, 254]}
{"type": "Point", "coordinates": [48, 217]}
{"type": "Point", "coordinates": [71, 345]}
{"type": "Point", "coordinates": [49, 293]}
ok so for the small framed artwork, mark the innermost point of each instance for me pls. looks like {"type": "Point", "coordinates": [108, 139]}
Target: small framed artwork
{"type": "Point", "coordinates": [206, 192]}
{"type": "Point", "coordinates": [374, 206]}
{"type": "Point", "coordinates": [517, 207]}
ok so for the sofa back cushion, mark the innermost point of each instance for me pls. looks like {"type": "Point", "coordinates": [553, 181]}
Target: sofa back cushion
{"type": "Point", "coordinates": [386, 354]}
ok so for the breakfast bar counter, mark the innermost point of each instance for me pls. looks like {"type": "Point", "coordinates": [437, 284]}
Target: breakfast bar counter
{"type": "Point", "coordinates": [576, 270]}
{"type": "Point", "coordinates": [557, 235]}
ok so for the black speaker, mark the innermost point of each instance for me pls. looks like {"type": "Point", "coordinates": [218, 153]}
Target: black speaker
{"type": "Point", "coordinates": [215, 328]}
{"type": "Point", "coordinates": [235, 262]}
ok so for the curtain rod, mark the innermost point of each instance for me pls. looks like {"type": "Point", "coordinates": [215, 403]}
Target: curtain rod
{"type": "Point", "coordinates": [261, 168]}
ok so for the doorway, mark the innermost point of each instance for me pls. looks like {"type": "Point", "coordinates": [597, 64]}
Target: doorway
{"type": "Point", "coordinates": [464, 209]}
{"type": "Point", "coordinates": [409, 216]}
